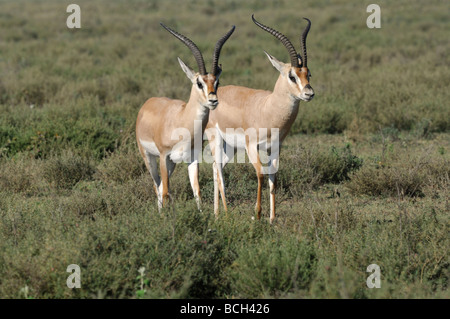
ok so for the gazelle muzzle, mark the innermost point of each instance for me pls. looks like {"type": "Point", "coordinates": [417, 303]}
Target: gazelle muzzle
{"type": "Point", "coordinates": [307, 93]}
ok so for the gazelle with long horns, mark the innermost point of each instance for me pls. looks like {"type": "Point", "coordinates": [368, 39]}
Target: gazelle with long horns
{"type": "Point", "coordinates": [258, 110]}
{"type": "Point", "coordinates": [161, 119]}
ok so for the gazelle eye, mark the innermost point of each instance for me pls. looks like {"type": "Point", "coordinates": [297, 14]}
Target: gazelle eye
{"type": "Point", "coordinates": [292, 78]}
{"type": "Point", "coordinates": [200, 86]}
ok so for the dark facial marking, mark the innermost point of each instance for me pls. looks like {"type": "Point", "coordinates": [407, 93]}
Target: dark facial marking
{"type": "Point", "coordinates": [199, 85]}
{"type": "Point", "coordinates": [211, 84]}
{"type": "Point", "coordinates": [292, 78]}
{"type": "Point", "coordinates": [302, 74]}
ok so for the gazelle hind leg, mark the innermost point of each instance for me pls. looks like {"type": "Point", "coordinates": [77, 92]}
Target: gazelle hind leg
{"type": "Point", "coordinates": [167, 167]}
{"type": "Point", "coordinates": [170, 169]}
{"type": "Point", "coordinates": [152, 166]}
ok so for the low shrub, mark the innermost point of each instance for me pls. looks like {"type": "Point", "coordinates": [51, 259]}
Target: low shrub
{"type": "Point", "coordinates": [121, 166]}
{"type": "Point", "coordinates": [272, 268]}
{"type": "Point", "coordinates": [20, 174]}
{"type": "Point", "coordinates": [67, 169]}
{"type": "Point", "coordinates": [401, 177]}
{"type": "Point", "coordinates": [303, 169]}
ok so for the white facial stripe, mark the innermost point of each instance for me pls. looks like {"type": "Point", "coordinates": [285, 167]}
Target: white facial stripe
{"type": "Point", "coordinates": [200, 80]}
{"type": "Point", "coordinates": [297, 83]}
{"type": "Point", "coordinates": [203, 84]}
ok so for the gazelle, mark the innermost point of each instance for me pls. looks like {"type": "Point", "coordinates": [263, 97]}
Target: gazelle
{"type": "Point", "coordinates": [250, 109]}
{"type": "Point", "coordinates": [161, 119]}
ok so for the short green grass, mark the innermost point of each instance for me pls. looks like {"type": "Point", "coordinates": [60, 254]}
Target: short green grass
{"type": "Point", "coordinates": [364, 173]}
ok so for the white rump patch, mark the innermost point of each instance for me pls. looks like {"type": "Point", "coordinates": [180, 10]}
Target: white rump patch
{"type": "Point", "coordinates": [149, 147]}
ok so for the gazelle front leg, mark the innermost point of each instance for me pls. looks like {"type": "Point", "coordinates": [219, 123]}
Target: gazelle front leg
{"type": "Point", "coordinates": [219, 187]}
{"type": "Point", "coordinates": [273, 168]}
{"type": "Point", "coordinates": [217, 145]}
{"type": "Point", "coordinates": [221, 159]}
{"type": "Point", "coordinates": [216, 189]}
{"type": "Point", "coordinates": [193, 178]}
{"type": "Point", "coordinates": [256, 162]}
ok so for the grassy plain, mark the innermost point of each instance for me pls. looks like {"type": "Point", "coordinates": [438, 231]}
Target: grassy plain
{"type": "Point", "coordinates": [364, 173]}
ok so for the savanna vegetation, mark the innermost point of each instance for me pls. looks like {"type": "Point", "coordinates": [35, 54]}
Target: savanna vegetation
{"type": "Point", "coordinates": [364, 174]}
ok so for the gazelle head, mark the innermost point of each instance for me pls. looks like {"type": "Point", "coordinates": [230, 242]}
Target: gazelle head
{"type": "Point", "coordinates": [296, 74]}
{"type": "Point", "coordinates": [203, 83]}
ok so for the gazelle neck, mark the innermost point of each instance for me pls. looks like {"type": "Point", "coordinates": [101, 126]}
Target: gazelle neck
{"type": "Point", "coordinates": [281, 107]}
{"type": "Point", "coordinates": [194, 110]}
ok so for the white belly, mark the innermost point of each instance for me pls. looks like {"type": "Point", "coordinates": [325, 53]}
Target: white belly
{"type": "Point", "coordinates": [234, 137]}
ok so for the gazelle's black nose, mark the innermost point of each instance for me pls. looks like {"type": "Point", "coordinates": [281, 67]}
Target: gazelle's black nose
{"type": "Point", "coordinates": [308, 92]}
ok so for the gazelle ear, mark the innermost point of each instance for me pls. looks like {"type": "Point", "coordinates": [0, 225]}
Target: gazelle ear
{"type": "Point", "coordinates": [300, 61]}
{"type": "Point", "coordinates": [219, 71]}
{"type": "Point", "coordinates": [189, 72]}
{"type": "Point", "coordinates": [276, 64]}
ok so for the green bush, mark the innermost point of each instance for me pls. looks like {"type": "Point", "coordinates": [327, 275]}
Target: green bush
{"type": "Point", "coordinates": [272, 268]}
{"type": "Point", "coordinates": [303, 169]}
{"type": "Point", "coordinates": [400, 177]}
{"type": "Point", "coordinates": [121, 166]}
{"type": "Point", "coordinates": [21, 175]}
{"type": "Point", "coordinates": [67, 169]}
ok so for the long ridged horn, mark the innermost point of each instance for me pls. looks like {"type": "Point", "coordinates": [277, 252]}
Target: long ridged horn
{"type": "Point", "coordinates": [218, 47]}
{"type": "Point", "coordinates": [283, 39]}
{"type": "Point", "coordinates": [303, 41]}
{"type": "Point", "coordinates": [191, 45]}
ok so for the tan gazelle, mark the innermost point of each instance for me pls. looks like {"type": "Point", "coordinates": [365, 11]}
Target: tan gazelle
{"type": "Point", "coordinates": [161, 119]}
{"type": "Point", "coordinates": [259, 110]}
